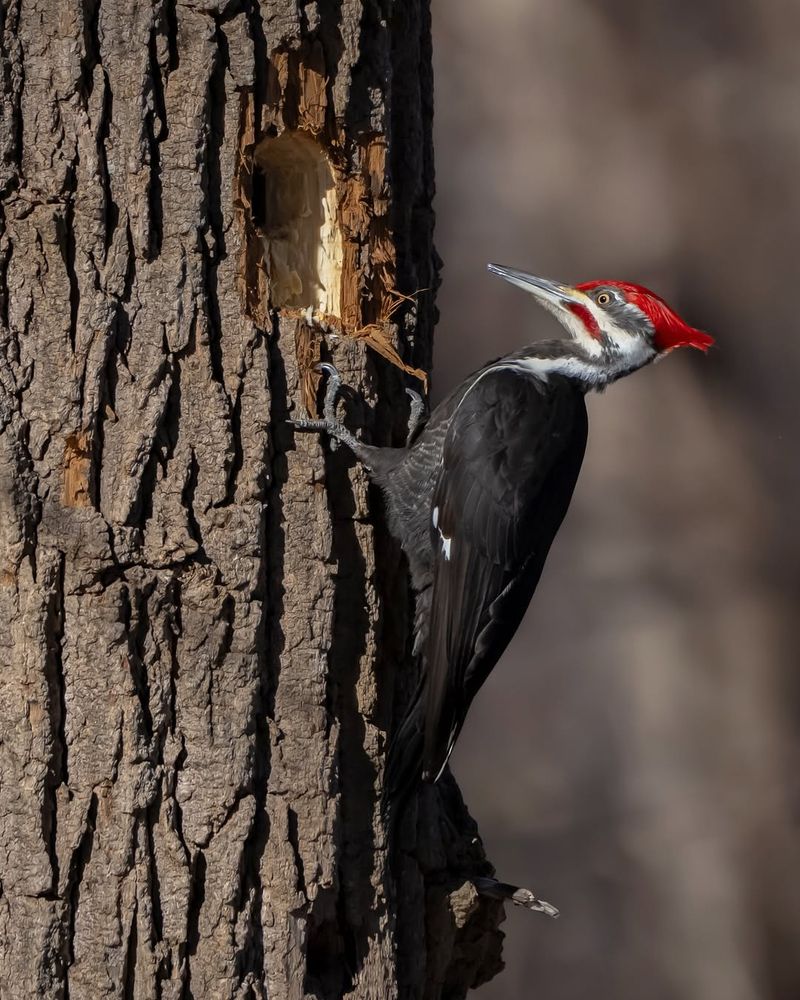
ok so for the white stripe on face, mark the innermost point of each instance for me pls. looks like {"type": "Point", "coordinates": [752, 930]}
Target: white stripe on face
{"type": "Point", "coordinates": [575, 326]}
{"type": "Point", "coordinates": [631, 347]}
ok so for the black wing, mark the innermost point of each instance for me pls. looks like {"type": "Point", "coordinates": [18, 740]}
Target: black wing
{"type": "Point", "coordinates": [511, 458]}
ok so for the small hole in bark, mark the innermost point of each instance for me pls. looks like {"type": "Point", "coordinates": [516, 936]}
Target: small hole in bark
{"type": "Point", "coordinates": [294, 209]}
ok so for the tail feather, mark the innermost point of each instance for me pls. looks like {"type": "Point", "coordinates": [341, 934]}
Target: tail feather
{"type": "Point", "coordinates": [404, 763]}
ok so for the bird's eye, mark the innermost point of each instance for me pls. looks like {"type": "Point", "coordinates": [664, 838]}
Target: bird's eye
{"type": "Point", "coordinates": [603, 299]}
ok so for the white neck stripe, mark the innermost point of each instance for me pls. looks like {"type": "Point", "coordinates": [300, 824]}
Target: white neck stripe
{"type": "Point", "coordinates": [575, 368]}
{"type": "Point", "coordinates": [589, 373]}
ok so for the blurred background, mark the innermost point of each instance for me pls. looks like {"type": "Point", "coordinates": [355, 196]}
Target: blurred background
{"type": "Point", "coordinates": [635, 758]}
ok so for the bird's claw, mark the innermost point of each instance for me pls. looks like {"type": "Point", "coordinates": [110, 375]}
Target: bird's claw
{"type": "Point", "coordinates": [329, 423]}
{"type": "Point", "coordinates": [327, 367]}
{"type": "Point", "coordinates": [524, 897]}
{"type": "Point", "coordinates": [517, 895]}
{"type": "Point", "coordinates": [336, 430]}
{"type": "Point", "coordinates": [415, 413]}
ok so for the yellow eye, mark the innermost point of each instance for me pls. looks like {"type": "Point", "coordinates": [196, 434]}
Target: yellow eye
{"type": "Point", "coordinates": [603, 299]}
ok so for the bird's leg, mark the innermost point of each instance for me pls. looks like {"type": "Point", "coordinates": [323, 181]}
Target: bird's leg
{"type": "Point", "coordinates": [414, 415]}
{"type": "Point", "coordinates": [520, 897]}
{"type": "Point", "coordinates": [331, 390]}
{"type": "Point", "coordinates": [329, 423]}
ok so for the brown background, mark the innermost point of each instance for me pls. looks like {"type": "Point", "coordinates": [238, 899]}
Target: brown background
{"type": "Point", "coordinates": [635, 756]}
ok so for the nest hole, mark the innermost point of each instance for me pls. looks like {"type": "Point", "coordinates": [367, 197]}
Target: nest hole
{"type": "Point", "coordinates": [295, 211]}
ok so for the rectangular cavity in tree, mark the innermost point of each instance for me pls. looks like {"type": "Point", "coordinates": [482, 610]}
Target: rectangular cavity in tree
{"type": "Point", "coordinates": [295, 210]}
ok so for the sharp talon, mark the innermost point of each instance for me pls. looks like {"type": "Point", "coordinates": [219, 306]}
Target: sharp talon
{"type": "Point", "coordinates": [327, 367]}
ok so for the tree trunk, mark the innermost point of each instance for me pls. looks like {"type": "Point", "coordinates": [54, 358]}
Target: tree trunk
{"type": "Point", "coordinates": [204, 629]}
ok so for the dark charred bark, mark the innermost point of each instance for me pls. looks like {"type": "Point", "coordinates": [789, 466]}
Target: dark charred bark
{"type": "Point", "coordinates": [204, 624]}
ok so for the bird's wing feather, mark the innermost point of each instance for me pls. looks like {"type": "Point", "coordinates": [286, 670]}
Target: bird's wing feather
{"type": "Point", "coordinates": [510, 461]}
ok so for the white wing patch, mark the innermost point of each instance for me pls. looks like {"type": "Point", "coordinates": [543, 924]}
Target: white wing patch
{"type": "Point", "coordinates": [446, 542]}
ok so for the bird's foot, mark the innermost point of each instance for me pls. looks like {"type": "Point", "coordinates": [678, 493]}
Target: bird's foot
{"type": "Point", "coordinates": [520, 897]}
{"type": "Point", "coordinates": [332, 389]}
{"type": "Point", "coordinates": [329, 422]}
{"type": "Point", "coordinates": [415, 414]}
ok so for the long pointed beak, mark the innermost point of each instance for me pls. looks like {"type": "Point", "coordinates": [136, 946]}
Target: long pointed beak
{"type": "Point", "coordinates": [549, 293]}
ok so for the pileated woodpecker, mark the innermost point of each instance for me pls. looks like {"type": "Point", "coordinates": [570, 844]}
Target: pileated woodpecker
{"type": "Point", "coordinates": [478, 494]}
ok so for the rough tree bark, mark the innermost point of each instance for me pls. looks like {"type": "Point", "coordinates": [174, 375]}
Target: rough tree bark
{"type": "Point", "coordinates": [204, 626]}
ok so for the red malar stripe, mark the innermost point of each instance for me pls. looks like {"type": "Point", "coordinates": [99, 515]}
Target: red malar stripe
{"type": "Point", "coordinates": [586, 318]}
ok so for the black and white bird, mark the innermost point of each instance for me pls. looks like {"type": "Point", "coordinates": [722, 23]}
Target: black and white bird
{"type": "Point", "coordinates": [478, 493]}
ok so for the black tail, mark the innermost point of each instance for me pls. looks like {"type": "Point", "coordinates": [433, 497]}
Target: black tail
{"type": "Point", "coordinates": [404, 763]}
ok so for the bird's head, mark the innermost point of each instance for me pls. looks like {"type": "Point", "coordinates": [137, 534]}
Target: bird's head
{"type": "Point", "coordinates": [623, 324]}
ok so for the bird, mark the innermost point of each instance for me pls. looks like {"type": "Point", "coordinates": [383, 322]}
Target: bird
{"type": "Point", "coordinates": [480, 489]}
